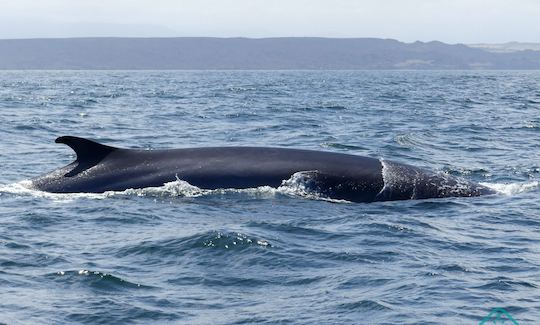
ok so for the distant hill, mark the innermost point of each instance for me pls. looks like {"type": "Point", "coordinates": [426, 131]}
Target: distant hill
{"type": "Point", "coordinates": [245, 53]}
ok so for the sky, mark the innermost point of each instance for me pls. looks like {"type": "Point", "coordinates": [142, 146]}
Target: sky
{"type": "Point", "coordinates": [450, 21]}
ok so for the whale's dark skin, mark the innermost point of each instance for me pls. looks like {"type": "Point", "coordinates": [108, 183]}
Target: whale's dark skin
{"type": "Point", "coordinates": [100, 168]}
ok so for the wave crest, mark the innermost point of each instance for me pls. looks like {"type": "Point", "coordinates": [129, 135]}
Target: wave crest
{"type": "Point", "coordinates": [95, 279]}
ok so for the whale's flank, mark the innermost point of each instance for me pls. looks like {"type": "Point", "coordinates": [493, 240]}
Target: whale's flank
{"type": "Point", "coordinates": [99, 168]}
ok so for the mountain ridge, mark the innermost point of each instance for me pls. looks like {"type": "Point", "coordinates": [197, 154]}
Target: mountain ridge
{"type": "Point", "coordinates": [286, 53]}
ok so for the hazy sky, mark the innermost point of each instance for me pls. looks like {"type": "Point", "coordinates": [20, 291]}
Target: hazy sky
{"type": "Point", "coordinates": [453, 21]}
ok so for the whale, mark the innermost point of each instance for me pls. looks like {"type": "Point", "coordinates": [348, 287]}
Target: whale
{"type": "Point", "coordinates": [99, 168]}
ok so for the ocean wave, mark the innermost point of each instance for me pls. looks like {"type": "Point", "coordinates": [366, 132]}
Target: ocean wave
{"type": "Point", "coordinates": [364, 306]}
{"type": "Point", "coordinates": [211, 239]}
{"type": "Point", "coordinates": [233, 240]}
{"type": "Point", "coordinates": [95, 279]}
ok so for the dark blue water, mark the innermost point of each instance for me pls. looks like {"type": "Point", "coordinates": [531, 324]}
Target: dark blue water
{"type": "Point", "coordinates": [177, 254]}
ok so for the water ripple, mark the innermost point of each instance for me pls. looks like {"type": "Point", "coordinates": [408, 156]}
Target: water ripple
{"type": "Point", "coordinates": [179, 254]}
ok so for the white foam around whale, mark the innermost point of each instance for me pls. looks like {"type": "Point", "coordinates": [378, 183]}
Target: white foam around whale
{"type": "Point", "coordinates": [513, 188]}
{"type": "Point", "coordinates": [296, 186]}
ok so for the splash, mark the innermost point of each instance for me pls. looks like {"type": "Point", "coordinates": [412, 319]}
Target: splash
{"type": "Point", "coordinates": [513, 188]}
{"type": "Point", "coordinates": [176, 188]}
{"type": "Point", "coordinates": [301, 184]}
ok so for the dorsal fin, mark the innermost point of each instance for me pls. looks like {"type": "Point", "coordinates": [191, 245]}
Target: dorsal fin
{"type": "Point", "coordinates": [87, 151]}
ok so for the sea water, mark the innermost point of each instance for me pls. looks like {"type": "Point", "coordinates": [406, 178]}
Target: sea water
{"type": "Point", "coordinates": [180, 254]}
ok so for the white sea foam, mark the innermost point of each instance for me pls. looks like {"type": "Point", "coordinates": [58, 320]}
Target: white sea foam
{"type": "Point", "coordinates": [300, 185]}
{"type": "Point", "coordinates": [25, 188]}
{"type": "Point", "coordinates": [175, 188]}
{"type": "Point", "coordinates": [513, 188]}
